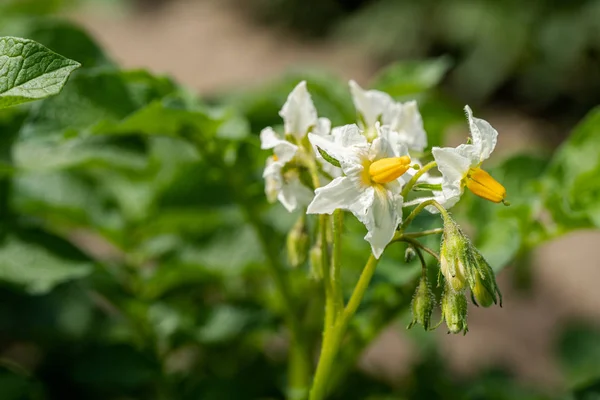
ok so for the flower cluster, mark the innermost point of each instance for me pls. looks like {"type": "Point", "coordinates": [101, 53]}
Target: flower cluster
{"type": "Point", "coordinates": [373, 169]}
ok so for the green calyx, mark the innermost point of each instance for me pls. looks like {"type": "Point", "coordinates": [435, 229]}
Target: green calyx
{"type": "Point", "coordinates": [422, 305]}
{"type": "Point", "coordinates": [454, 311]}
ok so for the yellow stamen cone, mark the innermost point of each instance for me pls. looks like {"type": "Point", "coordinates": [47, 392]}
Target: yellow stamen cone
{"type": "Point", "coordinates": [389, 169]}
{"type": "Point", "coordinates": [483, 185]}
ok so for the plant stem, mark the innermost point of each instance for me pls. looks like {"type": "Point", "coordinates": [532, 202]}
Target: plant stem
{"type": "Point", "coordinates": [416, 177]}
{"type": "Point", "coordinates": [428, 232]}
{"type": "Point", "coordinates": [420, 208]}
{"type": "Point", "coordinates": [417, 244]}
{"type": "Point", "coordinates": [334, 336]}
{"type": "Point", "coordinates": [336, 260]}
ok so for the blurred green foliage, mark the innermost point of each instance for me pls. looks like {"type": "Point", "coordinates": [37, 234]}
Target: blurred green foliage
{"type": "Point", "coordinates": [135, 234]}
{"type": "Point", "coordinates": [544, 53]}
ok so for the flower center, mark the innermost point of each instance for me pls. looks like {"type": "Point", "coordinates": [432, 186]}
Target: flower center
{"type": "Point", "coordinates": [388, 169]}
{"type": "Point", "coordinates": [483, 185]}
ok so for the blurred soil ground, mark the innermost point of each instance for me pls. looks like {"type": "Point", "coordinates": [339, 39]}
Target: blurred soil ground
{"type": "Point", "coordinates": [208, 45]}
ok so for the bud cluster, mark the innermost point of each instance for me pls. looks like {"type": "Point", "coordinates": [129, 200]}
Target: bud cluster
{"type": "Point", "coordinates": [462, 266]}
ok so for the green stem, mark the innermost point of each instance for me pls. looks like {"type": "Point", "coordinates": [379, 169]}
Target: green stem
{"type": "Point", "coordinates": [336, 261]}
{"type": "Point", "coordinates": [327, 275]}
{"type": "Point", "coordinates": [423, 233]}
{"type": "Point", "coordinates": [333, 339]}
{"type": "Point", "coordinates": [416, 177]}
{"type": "Point", "coordinates": [420, 208]}
{"type": "Point", "coordinates": [417, 244]}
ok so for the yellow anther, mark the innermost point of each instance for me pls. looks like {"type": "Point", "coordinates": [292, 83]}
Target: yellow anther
{"type": "Point", "coordinates": [275, 158]}
{"type": "Point", "coordinates": [388, 169]}
{"type": "Point", "coordinates": [483, 185]}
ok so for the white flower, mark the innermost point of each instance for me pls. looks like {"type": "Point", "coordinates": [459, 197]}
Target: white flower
{"type": "Point", "coordinates": [370, 188]}
{"type": "Point", "coordinates": [281, 181]}
{"type": "Point", "coordinates": [404, 119]}
{"type": "Point", "coordinates": [460, 166]}
{"type": "Point", "coordinates": [282, 185]}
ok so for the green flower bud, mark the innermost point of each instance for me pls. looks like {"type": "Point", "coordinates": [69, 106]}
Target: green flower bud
{"type": "Point", "coordinates": [484, 290]}
{"type": "Point", "coordinates": [409, 254]}
{"type": "Point", "coordinates": [297, 243]}
{"type": "Point", "coordinates": [422, 305]}
{"type": "Point", "coordinates": [316, 261]}
{"type": "Point", "coordinates": [454, 310]}
{"type": "Point", "coordinates": [454, 261]}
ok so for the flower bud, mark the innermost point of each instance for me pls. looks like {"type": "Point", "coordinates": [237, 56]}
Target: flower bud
{"type": "Point", "coordinates": [484, 290]}
{"type": "Point", "coordinates": [453, 255]}
{"type": "Point", "coordinates": [454, 311]}
{"type": "Point", "coordinates": [422, 305]}
{"type": "Point", "coordinates": [409, 254]}
{"type": "Point", "coordinates": [297, 243]}
{"type": "Point", "coordinates": [316, 261]}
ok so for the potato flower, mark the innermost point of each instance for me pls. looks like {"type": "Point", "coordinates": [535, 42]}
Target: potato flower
{"type": "Point", "coordinates": [369, 188]}
{"type": "Point", "coordinates": [461, 166]}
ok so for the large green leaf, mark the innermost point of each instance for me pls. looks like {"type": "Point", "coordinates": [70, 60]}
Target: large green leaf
{"type": "Point", "coordinates": [30, 71]}
{"type": "Point", "coordinates": [36, 268]}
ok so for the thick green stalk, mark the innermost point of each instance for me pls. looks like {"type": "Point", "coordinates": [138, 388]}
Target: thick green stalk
{"type": "Point", "coordinates": [334, 336]}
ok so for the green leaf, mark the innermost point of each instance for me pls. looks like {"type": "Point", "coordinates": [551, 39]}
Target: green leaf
{"type": "Point", "coordinates": [328, 158]}
{"type": "Point", "coordinates": [572, 181]}
{"type": "Point", "coordinates": [411, 77]}
{"type": "Point", "coordinates": [30, 71]}
{"type": "Point", "coordinates": [36, 268]}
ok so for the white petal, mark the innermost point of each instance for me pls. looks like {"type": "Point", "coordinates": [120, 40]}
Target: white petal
{"type": "Point", "coordinates": [453, 165]}
{"type": "Point", "coordinates": [483, 134]}
{"type": "Point", "coordinates": [371, 104]}
{"type": "Point", "coordinates": [387, 144]}
{"type": "Point", "coordinates": [323, 127]}
{"type": "Point", "coordinates": [294, 194]}
{"type": "Point", "coordinates": [299, 113]}
{"type": "Point", "coordinates": [283, 149]}
{"type": "Point", "coordinates": [269, 138]}
{"type": "Point", "coordinates": [341, 193]}
{"type": "Point", "coordinates": [382, 219]}
{"type": "Point", "coordinates": [348, 135]}
{"type": "Point", "coordinates": [273, 179]}
{"type": "Point", "coordinates": [407, 121]}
